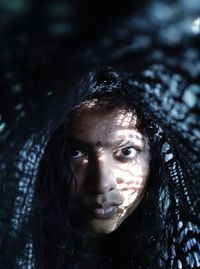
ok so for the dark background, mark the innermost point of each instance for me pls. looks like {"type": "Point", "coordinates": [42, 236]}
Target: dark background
{"type": "Point", "coordinates": [42, 47]}
{"type": "Point", "coordinates": [46, 45]}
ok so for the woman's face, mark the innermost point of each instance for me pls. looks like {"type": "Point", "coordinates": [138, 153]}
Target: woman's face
{"type": "Point", "coordinates": [110, 158]}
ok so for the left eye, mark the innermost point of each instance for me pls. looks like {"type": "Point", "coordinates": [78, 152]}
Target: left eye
{"type": "Point", "coordinates": [76, 153]}
{"type": "Point", "coordinates": [126, 153]}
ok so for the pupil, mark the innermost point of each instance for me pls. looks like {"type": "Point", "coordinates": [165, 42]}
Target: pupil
{"type": "Point", "coordinates": [74, 152]}
{"type": "Point", "coordinates": [126, 151]}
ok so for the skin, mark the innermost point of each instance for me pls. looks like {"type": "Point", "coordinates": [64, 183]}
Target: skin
{"type": "Point", "coordinates": [110, 158]}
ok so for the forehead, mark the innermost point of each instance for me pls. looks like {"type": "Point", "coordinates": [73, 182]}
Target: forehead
{"type": "Point", "coordinates": [91, 124]}
{"type": "Point", "coordinates": [105, 110]}
{"type": "Point", "coordinates": [92, 116]}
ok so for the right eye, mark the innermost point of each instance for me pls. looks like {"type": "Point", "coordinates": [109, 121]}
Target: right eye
{"type": "Point", "coordinates": [76, 153]}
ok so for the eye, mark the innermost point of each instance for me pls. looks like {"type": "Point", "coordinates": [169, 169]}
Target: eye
{"type": "Point", "coordinates": [76, 153]}
{"type": "Point", "coordinates": [126, 152]}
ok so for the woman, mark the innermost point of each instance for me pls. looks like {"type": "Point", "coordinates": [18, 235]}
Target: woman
{"type": "Point", "coordinates": [112, 191]}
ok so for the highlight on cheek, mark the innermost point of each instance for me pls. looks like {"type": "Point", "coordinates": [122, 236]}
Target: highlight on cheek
{"type": "Point", "coordinates": [131, 188]}
{"type": "Point", "coordinates": [136, 184]}
{"type": "Point", "coordinates": [129, 199]}
{"type": "Point", "coordinates": [85, 161]}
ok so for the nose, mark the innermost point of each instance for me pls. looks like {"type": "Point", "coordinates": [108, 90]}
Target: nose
{"type": "Point", "coordinates": [101, 176]}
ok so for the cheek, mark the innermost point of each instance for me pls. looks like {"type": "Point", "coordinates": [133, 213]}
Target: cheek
{"type": "Point", "coordinates": [132, 179]}
{"type": "Point", "coordinates": [132, 175]}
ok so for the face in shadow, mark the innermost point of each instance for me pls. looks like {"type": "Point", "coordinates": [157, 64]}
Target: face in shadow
{"type": "Point", "coordinates": [110, 158]}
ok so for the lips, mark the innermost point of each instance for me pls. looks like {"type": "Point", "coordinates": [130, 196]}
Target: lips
{"type": "Point", "coordinates": [104, 211]}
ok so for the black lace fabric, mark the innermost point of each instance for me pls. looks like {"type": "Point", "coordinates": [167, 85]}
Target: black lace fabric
{"type": "Point", "coordinates": [181, 122]}
{"type": "Point", "coordinates": [157, 50]}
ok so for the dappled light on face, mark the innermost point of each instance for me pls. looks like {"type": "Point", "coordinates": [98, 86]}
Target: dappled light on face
{"type": "Point", "coordinates": [126, 119]}
{"type": "Point", "coordinates": [89, 104]}
{"type": "Point", "coordinates": [131, 180]}
{"type": "Point", "coordinates": [85, 106]}
{"type": "Point", "coordinates": [130, 134]}
{"type": "Point", "coordinates": [85, 161]}
{"type": "Point", "coordinates": [111, 165]}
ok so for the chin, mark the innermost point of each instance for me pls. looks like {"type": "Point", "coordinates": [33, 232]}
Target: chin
{"type": "Point", "coordinates": [102, 230]}
{"type": "Point", "coordinates": [102, 227]}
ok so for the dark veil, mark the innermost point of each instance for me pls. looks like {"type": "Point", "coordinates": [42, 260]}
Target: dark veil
{"type": "Point", "coordinates": [161, 70]}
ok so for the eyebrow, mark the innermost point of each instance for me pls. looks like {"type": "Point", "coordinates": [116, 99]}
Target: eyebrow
{"type": "Point", "coordinates": [123, 142]}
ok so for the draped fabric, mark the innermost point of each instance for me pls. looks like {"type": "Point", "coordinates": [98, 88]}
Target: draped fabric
{"type": "Point", "coordinates": [158, 54]}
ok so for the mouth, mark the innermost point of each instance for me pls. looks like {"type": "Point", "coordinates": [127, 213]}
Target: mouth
{"type": "Point", "coordinates": [104, 211]}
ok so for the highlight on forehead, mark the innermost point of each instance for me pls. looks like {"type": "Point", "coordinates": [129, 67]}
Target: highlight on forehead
{"type": "Point", "coordinates": [107, 100]}
{"type": "Point", "coordinates": [103, 105]}
{"type": "Point", "coordinates": [119, 116]}
{"type": "Point", "coordinates": [128, 135]}
{"type": "Point", "coordinates": [126, 118]}
{"type": "Point", "coordinates": [89, 104]}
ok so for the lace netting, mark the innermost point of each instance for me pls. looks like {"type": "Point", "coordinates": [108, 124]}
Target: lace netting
{"type": "Point", "coordinates": [161, 59]}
